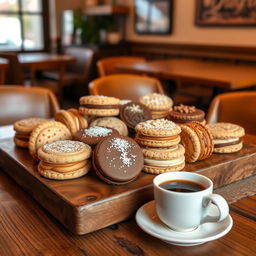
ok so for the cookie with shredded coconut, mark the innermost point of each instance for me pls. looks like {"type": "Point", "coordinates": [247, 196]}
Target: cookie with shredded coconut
{"type": "Point", "coordinates": [94, 134]}
{"type": "Point", "coordinates": [133, 113]}
{"type": "Point", "coordinates": [117, 160]}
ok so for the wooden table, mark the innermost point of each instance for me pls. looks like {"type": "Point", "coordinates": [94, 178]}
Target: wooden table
{"type": "Point", "coordinates": [3, 67]}
{"type": "Point", "coordinates": [27, 229]}
{"type": "Point", "coordinates": [221, 75]}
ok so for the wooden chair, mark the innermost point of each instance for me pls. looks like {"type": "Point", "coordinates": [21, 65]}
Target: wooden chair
{"type": "Point", "coordinates": [107, 66]}
{"type": "Point", "coordinates": [125, 86]}
{"type": "Point", "coordinates": [234, 107]}
{"type": "Point", "coordinates": [14, 73]}
{"type": "Point", "coordinates": [19, 102]}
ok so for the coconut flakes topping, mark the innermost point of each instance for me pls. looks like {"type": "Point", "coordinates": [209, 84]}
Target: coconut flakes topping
{"type": "Point", "coordinates": [156, 99]}
{"type": "Point", "coordinates": [97, 131]}
{"type": "Point", "coordinates": [135, 108]}
{"type": "Point", "coordinates": [123, 146]}
{"type": "Point", "coordinates": [64, 146]}
{"type": "Point", "coordinates": [158, 124]}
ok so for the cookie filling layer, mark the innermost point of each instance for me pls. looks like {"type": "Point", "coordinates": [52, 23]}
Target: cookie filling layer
{"type": "Point", "coordinates": [91, 106]}
{"type": "Point", "coordinates": [227, 142]}
{"type": "Point", "coordinates": [172, 162]}
{"type": "Point", "coordinates": [154, 138]}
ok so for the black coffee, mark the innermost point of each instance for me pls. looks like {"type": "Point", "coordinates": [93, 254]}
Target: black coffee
{"type": "Point", "coordinates": [185, 186]}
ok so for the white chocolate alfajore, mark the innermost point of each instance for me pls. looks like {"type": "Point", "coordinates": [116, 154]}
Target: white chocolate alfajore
{"type": "Point", "coordinates": [171, 162]}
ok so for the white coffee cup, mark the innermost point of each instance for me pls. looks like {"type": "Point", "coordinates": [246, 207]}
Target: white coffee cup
{"type": "Point", "coordinates": [185, 211]}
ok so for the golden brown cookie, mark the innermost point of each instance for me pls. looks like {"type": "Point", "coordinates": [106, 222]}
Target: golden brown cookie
{"type": "Point", "coordinates": [227, 137]}
{"type": "Point", "coordinates": [99, 105]}
{"type": "Point", "coordinates": [157, 133]}
{"type": "Point", "coordinates": [72, 119]}
{"type": "Point", "coordinates": [45, 133]}
{"type": "Point", "coordinates": [64, 151]}
{"type": "Point", "coordinates": [111, 122]}
{"type": "Point", "coordinates": [23, 128]}
{"type": "Point", "coordinates": [159, 160]}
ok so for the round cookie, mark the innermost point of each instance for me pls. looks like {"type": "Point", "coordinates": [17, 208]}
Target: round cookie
{"type": "Point", "coordinates": [157, 133]}
{"type": "Point", "coordinates": [159, 104]}
{"type": "Point", "coordinates": [185, 114]}
{"type": "Point", "coordinates": [99, 105]}
{"type": "Point", "coordinates": [227, 137]}
{"type": "Point", "coordinates": [111, 122]}
{"type": "Point", "coordinates": [64, 151]}
{"type": "Point", "coordinates": [23, 129]}
{"type": "Point", "coordinates": [197, 141]}
{"type": "Point", "coordinates": [45, 133]}
{"type": "Point", "coordinates": [117, 160]}
{"type": "Point", "coordinates": [93, 135]}
{"type": "Point", "coordinates": [133, 113]}
{"type": "Point", "coordinates": [160, 160]}
{"type": "Point", "coordinates": [72, 119]}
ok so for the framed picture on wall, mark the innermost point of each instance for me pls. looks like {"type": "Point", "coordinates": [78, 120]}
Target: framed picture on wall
{"type": "Point", "coordinates": [153, 16]}
{"type": "Point", "coordinates": [225, 12]}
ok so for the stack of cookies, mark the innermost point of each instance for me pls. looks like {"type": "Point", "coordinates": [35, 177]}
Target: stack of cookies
{"type": "Point", "coordinates": [73, 119]}
{"type": "Point", "coordinates": [182, 114]}
{"type": "Point", "coordinates": [99, 105]}
{"type": "Point", "coordinates": [64, 159]}
{"type": "Point", "coordinates": [159, 104]}
{"type": "Point", "coordinates": [159, 140]}
{"type": "Point", "coordinates": [227, 137]}
{"type": "Point", "coordinates": [23, 129]}
{"type": "Point", "coordinates": [197, 140]}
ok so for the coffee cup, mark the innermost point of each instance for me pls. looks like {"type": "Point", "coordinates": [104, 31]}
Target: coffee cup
{"type": "Point", "coordinates": [183, 200]}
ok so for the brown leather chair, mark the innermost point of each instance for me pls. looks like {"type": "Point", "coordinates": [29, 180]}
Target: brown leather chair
{"type": "Point", "coordinates": [107, 66]}
{"type": "Point", "coordinates": [19, 102]}
{"type": "Point", "coordinates": [234, 107]}
{"type": "Point", "coordinates": [14, 73]}
{"type": "Point", "coordinates": [125, 86]}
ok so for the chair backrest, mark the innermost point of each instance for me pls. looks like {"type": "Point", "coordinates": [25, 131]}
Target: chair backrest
{"type": "Point", "coordinates": [234, 107]}
{"type": "Point", "coordinates": [125, 86]}
{"type": "Point", "coordinates": [83, 64]}
{"type": "Point", "coordinates": [14, 73]}
{"type": "Point", "coordinates": [107, 66]}
{"type": "Point", "coordinates": [19, 102]}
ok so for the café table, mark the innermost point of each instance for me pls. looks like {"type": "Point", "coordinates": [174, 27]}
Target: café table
{"type": "Point", "coordinates": [3, 67]}
{"type": "Point", "coordinates": [215, 74]}
{"type": "Point", "coordinates": [27, 229]}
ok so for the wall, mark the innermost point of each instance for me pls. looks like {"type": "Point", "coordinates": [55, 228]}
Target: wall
{"type": "Point", "coordinates": [185, 32]}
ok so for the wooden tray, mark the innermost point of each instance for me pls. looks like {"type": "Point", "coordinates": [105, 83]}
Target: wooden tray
{"type": "Point", "coordinates": [86, 204]}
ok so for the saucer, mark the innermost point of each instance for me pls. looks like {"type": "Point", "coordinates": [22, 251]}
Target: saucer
{"type": "Point", "coordinates": [148, 221]}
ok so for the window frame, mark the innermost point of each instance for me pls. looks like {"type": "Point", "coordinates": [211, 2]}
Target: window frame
{"type": "Point", "coordinates": [45, 23]}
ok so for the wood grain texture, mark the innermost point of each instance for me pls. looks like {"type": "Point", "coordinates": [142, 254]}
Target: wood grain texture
{"type": "Point", "coordinates": [80, 204]}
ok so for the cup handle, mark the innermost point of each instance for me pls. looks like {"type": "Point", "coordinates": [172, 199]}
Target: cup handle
{"type": "Point", "coordinates": [222, 206]}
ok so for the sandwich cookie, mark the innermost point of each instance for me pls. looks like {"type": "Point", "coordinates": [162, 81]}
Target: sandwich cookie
{"type": "Point", "coordinates": [73, 119]}
{"type": "Point", "coordinates": [111, 122]}
{"type": "Point", "coordinates": [197, 141]}
{"type": "Point", "coordinates": [159, 104]}
{"type": "Point", "coordinates": [99, 105]}
{"type": "Point", "coordinates": [160, 160]}
{"type": "Point", "coordinates": [117, 160]}
{"type": "Point", "coordinates": [227, 137]}
{"type": "Point", "coordinates": [185, 114]}
{"type": "Point", "coordinates": [157, 133]}
{"type": "Point", "coordinates": [23, 129]}
{"type": "Point", "coordinates": [64, 159]}
{"type": "Point", "coordinates": [93, 135]}
{"type": "Point", "coordinates": [46, 133]}
{"type": "Point", "coordinates": [133, 113]}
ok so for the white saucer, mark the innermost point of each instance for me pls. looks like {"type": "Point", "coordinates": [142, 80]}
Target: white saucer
{"type": "Point", "coordinates": [148, 221]}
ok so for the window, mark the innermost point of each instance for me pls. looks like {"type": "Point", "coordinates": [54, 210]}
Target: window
{"type": "Point", "coordinates": [23, 25]}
